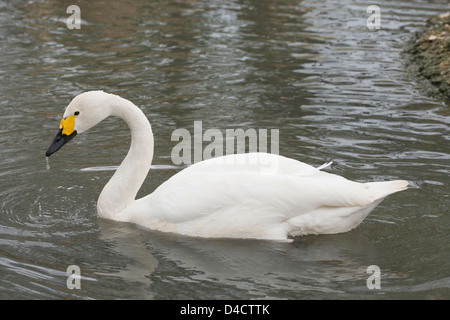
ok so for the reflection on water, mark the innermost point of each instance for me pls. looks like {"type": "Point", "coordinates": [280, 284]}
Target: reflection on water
{"type": "Point", "coordinates": [313, 70]}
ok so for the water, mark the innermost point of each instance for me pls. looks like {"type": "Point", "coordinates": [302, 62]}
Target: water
{"type": "Point", "coordinates": [334, 89]}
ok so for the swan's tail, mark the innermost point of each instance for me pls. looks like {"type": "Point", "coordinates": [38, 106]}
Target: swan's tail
{"type": "Point", "coordinates": [383, 189]}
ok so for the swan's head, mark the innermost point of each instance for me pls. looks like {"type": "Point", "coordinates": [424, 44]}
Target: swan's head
{"type": "Point", "coordinates": [84, 111]}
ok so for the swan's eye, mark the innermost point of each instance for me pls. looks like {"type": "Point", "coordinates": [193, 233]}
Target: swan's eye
{"type": "Point", "coordinates": [76, 113]}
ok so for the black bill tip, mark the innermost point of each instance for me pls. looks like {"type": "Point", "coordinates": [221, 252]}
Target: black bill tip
{"type": "Point", "coordinates": [60, 140]}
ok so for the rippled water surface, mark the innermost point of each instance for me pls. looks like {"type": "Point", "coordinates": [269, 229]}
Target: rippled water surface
{"type": "Point", "coordinates": [312, 69]}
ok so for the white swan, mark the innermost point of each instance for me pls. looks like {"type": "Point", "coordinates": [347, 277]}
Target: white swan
{"type": "Point", "coordinates": [230, 197]}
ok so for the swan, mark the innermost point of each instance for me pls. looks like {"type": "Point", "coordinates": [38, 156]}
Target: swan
{"type": "Point", "coordinates": [224, 197]}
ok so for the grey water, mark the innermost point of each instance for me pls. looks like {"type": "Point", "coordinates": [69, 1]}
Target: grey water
{"type": "Point", "coordinates": [335, 89]}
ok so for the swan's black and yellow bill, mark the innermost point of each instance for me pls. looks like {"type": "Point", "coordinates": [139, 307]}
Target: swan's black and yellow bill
{"type": "Point", "coordinates": [65, 134]}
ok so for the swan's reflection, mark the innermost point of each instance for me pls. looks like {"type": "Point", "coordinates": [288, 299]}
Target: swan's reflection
{"type": "Point", "coordinates": [129, 242]}
{"type": "Point", "coordinates": [162, 265]}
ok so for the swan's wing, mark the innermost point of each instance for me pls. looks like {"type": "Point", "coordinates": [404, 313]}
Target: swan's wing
{"type": "Point", "coordinates": [291, 189]}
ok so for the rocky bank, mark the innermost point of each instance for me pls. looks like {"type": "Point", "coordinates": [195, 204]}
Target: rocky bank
{"type": "Point", "coordinates": [429, 56]}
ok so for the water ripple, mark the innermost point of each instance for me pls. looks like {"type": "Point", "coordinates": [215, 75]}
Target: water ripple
{"type": "Point", "coordinates": [335, 89]}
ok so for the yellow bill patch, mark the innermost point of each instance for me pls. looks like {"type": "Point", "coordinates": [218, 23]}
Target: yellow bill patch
{"type": "Point", "coordinates": [67, 125]}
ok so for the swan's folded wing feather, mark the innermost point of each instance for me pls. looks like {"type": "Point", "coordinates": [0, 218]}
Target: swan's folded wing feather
{"type": "Point", "coordinates": [188, 197]}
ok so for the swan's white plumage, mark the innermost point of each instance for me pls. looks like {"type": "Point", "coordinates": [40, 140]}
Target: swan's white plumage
{"type": "Point", "coordinates": [259, 195]}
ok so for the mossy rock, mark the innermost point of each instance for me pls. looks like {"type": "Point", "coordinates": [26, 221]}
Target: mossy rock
{"type": "Point", "coordinates": [429, 55]}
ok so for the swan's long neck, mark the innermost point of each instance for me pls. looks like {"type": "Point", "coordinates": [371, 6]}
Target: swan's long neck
{"type": "Point", "coordinates": [124, 185]}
